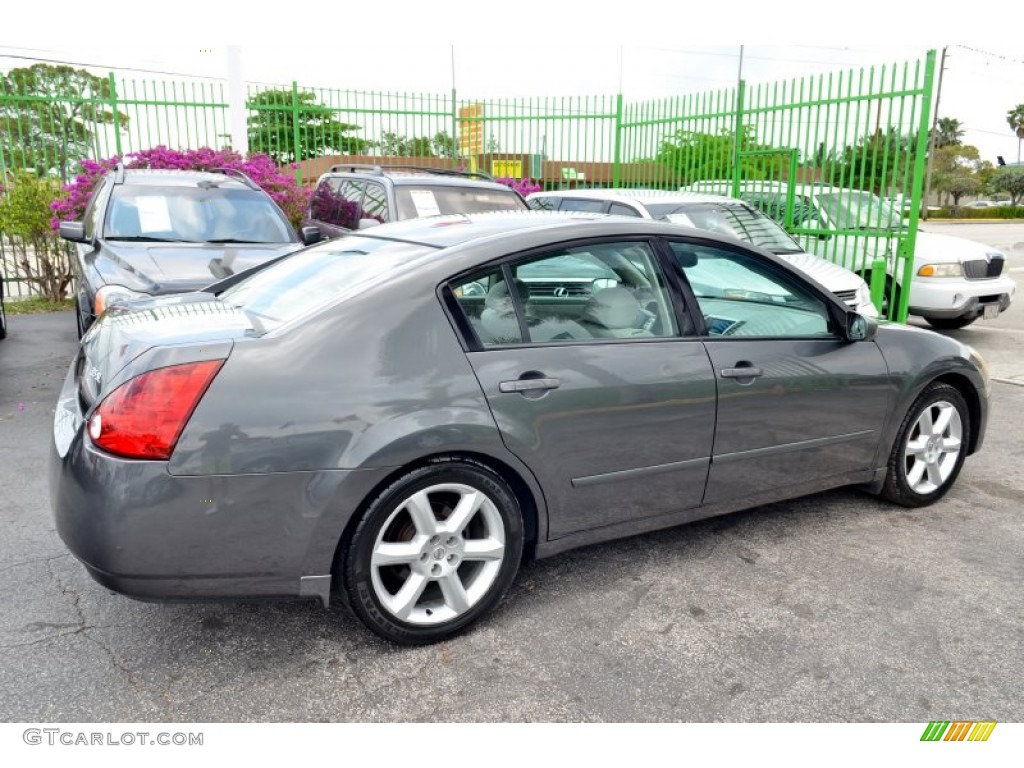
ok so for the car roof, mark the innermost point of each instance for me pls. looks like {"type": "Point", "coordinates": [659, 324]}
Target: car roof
{"type": "Point", "coordinates": [465, 228]}
{"type": "Point", "coordinates": [639, 195]}
{"type": "Point", "coordinates": [440, 177]}
{"type": "Point", "coordinates": [172, 177]}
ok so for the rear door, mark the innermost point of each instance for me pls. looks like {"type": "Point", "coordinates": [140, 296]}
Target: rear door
{"type": "Point", "coordinates": [609, 405]}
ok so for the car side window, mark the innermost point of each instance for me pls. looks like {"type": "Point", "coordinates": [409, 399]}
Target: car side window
{"type": "Point", "coordinates": [485, 301]}
{"type": "Point", "coordinates": [620, 209]}
{"type": "Point", "coordinates": [375, 202]}
{"type": "Point", "coordinates": [92, 219]}
{"type": "Point", "coordinates": [543, 203]}
{"type": "Point", "coordinates": [740, 296]}
{"type": "Point", "coordinates": [337, 201]}
{"type": "Point", "coordinates": [601, 291]}
{"type": "Point", "coordinates": [589, 206]}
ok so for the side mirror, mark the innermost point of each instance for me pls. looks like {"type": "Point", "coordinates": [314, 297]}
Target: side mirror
{"type": "Point", "coordinates": [859, 327]}
{"type": "Point", "coordinates": [73, 231]}
{"type": "Point", "coordinates": [367, 223]}
{"type": "Point", "coordinates": [311, 235]}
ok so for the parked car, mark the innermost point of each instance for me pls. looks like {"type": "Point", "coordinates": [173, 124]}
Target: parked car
{"type": "Point", "coordinates": [983, 204]}
{"type": "Point", "coordinates": [955, 280]}
{"type": "Point", "coordinates": [358, 418]}
{"type": "Point", "coordinates": [902, 204]}
{"type": "Point", "coordinates": [357, 196]}
{"type": "Point", "coordinates": [714, 213]}
{"type": "Point", "coordinates": [155, 232]}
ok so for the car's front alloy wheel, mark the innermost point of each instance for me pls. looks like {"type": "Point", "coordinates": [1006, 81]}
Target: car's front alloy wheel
{"type": "Point", "coordinates": [434, 552]}
{"type": "Point", "coordinates": [929, 449]}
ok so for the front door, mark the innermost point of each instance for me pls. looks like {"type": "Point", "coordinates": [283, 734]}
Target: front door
{"type": "Point", "coordinates": [797, 403]}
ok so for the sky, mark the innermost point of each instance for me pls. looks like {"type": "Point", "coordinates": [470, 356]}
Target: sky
{"type": "Point", "coordinates": [655, 50]}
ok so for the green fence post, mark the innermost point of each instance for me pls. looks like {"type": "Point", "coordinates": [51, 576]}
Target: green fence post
{"type": "Point", "coordinates": [455, 160]}
{"type": "Point", "coordinates": [117, 118]}
{"type": "Point", "coordinates": [295, 131]}
{"type": "Point", "coordinates": [878, 283]}
{"type": "Point", "coordinates": [617, 157]}
{"type": "Point", "coordinates": [907, 243]}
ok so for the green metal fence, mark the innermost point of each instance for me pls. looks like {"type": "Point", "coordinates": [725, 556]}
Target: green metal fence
{"type": "Point", "coordinates": [862, 132]}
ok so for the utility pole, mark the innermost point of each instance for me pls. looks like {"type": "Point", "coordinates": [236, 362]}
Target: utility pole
{"type": "Point", "coordinates": [236, 102]}
{"type": "Point", "coordinates": [931, 139]}
{"type": "Point", "coordinates": [736, 138]}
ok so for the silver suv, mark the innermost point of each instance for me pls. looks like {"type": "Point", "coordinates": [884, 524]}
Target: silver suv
{"type": "Point", "coordinates": [350, 197]}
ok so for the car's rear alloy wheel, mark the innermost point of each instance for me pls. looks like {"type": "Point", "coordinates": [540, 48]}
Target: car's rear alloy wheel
{"type": "Point", "coordinates": [434, 552]}
{"type": "Point", "coordinates": [930, 448]}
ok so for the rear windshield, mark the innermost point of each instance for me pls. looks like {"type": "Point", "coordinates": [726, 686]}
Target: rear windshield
{"type": "Point", "coordinates": [312, 278]}
{"type": "Point", "coordinates": [200, 214]}
{"type": "Point", "coordinates": [732, 219]}
{"type": "Point", "coordinates": [416, 201]}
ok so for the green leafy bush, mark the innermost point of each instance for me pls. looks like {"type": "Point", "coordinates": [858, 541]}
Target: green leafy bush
{"type": "Point", "coordinates": [25, 224]}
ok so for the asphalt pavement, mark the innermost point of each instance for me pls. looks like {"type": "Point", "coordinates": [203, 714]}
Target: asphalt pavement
{"type": "Point", "coordinates": [834, 607]}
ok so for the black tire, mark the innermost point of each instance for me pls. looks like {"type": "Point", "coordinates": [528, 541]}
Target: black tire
{"type": "Point", "coordinates": [950, 323]}
{"type": "Point", "coordinates": [459, 584]}
{"type": "Point", "coordinates": [3, 313]}
{"type": "Point", "coordinates": [904, 484]}
{"type": "Point", "coordinates": [890, 299]}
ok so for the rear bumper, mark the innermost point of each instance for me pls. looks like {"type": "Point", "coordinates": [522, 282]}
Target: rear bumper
{"type": "Point", "coordinates": [155, 536]}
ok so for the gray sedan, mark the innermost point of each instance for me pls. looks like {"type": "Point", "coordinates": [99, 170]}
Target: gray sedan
{"type": "Point", "coordinates": [402, 416]}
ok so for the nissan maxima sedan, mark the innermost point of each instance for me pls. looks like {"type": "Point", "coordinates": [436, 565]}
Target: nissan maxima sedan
{"type": "Point", "coordinates": [402, 416]}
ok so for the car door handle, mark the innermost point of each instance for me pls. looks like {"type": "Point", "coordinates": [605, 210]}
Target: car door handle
{"type": "Point", "coordinates": [742, 372]}
{"type": "Point", "coordinates": [528, 385]}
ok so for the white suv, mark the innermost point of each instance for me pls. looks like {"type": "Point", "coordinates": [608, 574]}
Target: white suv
{"type": "Point", "coordinates": [713, 213]}
{"type": "Point", "coordinates": [955, 281]}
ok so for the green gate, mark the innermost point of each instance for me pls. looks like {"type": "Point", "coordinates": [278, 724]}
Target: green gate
{"type": "Point", "coordinates": [822, 153]}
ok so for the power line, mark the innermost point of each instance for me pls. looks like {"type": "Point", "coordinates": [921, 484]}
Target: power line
{"type": "Point", "coordinates": [47, 60]}
{"type": "Point", "coordinates": [758, 58]}
{"type": "Point", "coordinates": [990, 54]}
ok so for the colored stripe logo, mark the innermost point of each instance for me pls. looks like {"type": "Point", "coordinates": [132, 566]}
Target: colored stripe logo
{"type": "Point", "coordinates": [959, 730]}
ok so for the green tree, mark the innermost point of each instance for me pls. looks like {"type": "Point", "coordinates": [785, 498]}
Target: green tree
{"type": "Point", "coordinates": [395, 145]}
{"type": "Point", "coordinates": [958, 184]}
{"type": "Point", "coordinates": [695, 156]}
{"type": "Point", "coordinates": [444, 145]}
{"type": "Point", "coordinates": [25, 215]}
{"type": "Point", "coordinates": [959, 170]}
{"type": "Point", "coordinates": [879, 162]}
{"type": "Point", "coordinates": [1015, 118]}
{"type": "Point", "coordinates": [53, 118]}
{"type": "Point", "coordinates": [1009, 179]}
{"type": "Point", "coordinates": [949, 132]}
{"type": "Point", "coordinates": [277, 115]}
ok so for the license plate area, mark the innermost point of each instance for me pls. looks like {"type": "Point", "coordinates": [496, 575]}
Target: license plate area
{"type": "Point", "coordinates": [991, 311]}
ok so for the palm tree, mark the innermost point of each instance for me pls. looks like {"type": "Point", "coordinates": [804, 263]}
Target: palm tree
{"type": "Point", "coordinates": [948, 133]}
{"type": "Point", "coordinates": [1015, 117]}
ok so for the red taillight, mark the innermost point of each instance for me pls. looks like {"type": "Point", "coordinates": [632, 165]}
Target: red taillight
{"type": "Point", "coordinates": [143, 418]}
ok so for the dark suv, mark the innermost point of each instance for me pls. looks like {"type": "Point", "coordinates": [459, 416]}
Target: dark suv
{"type": "Point", "coordinates": [154, 232]}
{"type": "Point", "coordinates": [351, 197]}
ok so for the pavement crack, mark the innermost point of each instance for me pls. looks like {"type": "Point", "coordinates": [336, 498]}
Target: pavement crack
{"type": "Point", "coordinates": [34, 560]}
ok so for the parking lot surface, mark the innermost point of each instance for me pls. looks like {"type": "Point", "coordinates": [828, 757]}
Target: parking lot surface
{"type": "Point", "coordinates": [834, 607]}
